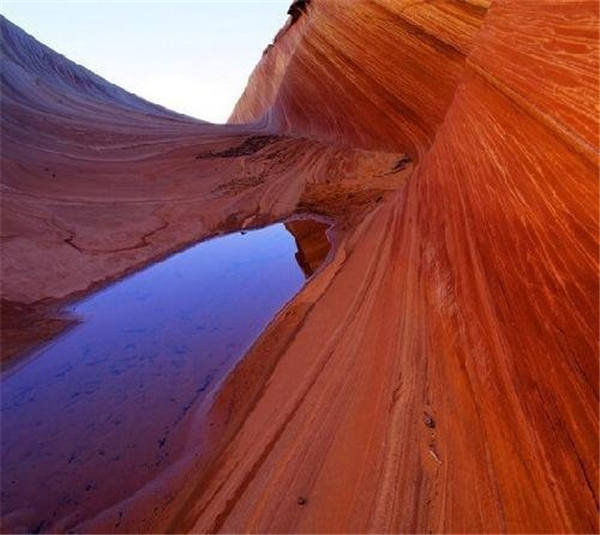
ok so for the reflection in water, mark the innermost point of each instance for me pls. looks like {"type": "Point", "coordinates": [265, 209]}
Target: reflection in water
{"type": "Point", "coordinates": [95, 414]}
{"type": "Point", "coordinates": [311, 241]}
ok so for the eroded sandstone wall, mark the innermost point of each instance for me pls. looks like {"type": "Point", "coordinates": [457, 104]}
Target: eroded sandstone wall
{"type": "Point", "coordinates": [441, 374]}
{"type": "Point", "coordinates": [483, 303]}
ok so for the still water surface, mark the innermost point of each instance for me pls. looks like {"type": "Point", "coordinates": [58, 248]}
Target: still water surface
{"type": "Point", "coordinates": [92, 416]}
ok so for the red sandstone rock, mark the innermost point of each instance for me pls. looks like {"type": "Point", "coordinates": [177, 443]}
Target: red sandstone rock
{"type": "Point", "coordinates": [467, 296]}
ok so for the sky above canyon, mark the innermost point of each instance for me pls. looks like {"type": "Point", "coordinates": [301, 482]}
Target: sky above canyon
{"type": "Point", "coordinates": [193, 57]}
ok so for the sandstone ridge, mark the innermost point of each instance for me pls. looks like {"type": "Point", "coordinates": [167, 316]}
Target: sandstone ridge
{"type": "Point", "coordinates": [440, 374]}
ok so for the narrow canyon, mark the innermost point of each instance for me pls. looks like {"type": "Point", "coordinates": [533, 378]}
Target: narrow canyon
{"type": "Point", "coordinates": [431, 169]}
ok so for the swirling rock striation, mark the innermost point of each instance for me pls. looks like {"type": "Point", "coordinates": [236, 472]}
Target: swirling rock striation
{"type": "Point", "coordinates": [471, 299]}
{"type": "Point", "coordinates": [440, 374]}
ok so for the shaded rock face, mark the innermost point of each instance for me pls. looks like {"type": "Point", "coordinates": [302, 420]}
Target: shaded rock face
{"type": "Point", "coordinates": [25, 326]}
{"type": "Point", "coordinates": [297, 9]}
{"type": "Point", "coordinates": [441, 374]}
{"type": "Point", "coordinates": [97, 181]}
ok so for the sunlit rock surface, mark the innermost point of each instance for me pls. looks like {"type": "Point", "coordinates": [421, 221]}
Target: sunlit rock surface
{"type": "Point", "coordinates": [441, 372]}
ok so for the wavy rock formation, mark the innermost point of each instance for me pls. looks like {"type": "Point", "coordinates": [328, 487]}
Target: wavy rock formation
{"type": "Point", "coordinates": [440, 374]}
{"type": "Point", "coordinates": [97, 182]}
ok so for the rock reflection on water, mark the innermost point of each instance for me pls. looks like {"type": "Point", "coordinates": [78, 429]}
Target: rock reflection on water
{"type": "Point", "coordinates": [93, 415]}
{"type": "Point", "coordinates": [312, 243]}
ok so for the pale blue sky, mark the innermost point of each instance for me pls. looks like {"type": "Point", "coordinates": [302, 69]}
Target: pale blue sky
{"type": "Point", "coordinates": [191, 56]}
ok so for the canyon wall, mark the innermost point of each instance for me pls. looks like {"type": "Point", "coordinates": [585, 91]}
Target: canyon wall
{"type": "Point", "coordinates": [372, 74]}
{"type": "Point", "coordinates": [97, 182]}
{"type": "Point", "coordinates": [441, 373]}
{"type": "Point", "coordinates": [461, 369]}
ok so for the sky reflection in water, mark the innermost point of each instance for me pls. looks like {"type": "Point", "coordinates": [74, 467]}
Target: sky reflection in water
{"type": "Point", "coordinates": [91, 417]}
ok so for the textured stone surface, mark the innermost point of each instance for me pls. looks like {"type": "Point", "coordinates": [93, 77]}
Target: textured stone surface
{"type": "Point", "coordinates": [465, 295]}
{"type": "Point", "coordinates": [473, 297]}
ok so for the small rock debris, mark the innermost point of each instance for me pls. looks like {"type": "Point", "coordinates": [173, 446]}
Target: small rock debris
{"type": "Point", "coordinates": [401, 164]}
{"type": "Point", "coordinates": [249, 146]}
{"type": "Point", "coordinates": [429, 421]}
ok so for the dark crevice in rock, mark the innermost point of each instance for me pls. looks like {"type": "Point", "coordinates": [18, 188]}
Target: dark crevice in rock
{"type": "Point", "coordinates": [297, 9]}
{"type": "Point", "coordinates": [249, 146]}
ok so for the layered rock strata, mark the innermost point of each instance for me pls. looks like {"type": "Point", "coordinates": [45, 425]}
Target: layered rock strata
{"type": "Point", "coordinates": [441, 373]}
